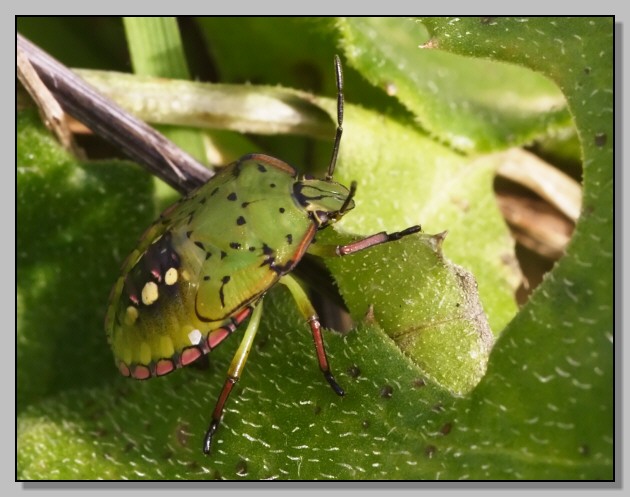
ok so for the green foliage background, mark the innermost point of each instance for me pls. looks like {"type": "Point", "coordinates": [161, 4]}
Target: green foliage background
{"type": "Point", "coordinates": [420, 125]}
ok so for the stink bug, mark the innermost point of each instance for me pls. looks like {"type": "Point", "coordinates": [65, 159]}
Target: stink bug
{"type": "Point", "coordinates": [205, 265]}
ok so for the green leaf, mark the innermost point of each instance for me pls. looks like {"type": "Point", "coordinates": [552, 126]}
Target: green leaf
{"type": "Point", "coordinates": [435, 318]}
{"type": "Point", "coordinates": [548, 393]}
{"type": "Point", "coordinates": [474, 105]}
{"type": "Point", "coordinates": [155, 46]}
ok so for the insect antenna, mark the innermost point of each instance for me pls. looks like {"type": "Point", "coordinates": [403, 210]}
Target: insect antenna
{"type": "Point", "coordinates": [335, 150]}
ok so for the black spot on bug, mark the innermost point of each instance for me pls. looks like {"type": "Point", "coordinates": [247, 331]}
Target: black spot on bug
{"type": "Point", "coordinates": [235, 245]}
{"type": "Point", "coordinates": [200, 245]}
{"type": "Point", "coordinates": [446, 428]}
{"type": "Point", "coordinates": [206, 278]}
{"type": "Point", "coordinates": [387, 392]}
{"type": "Point", "coordinates": [354, 371]}
{"type": "Point", "coordinates": [245, 204]}
{"type": "Point", "coordinates": [281, 209]}
{"type": "Point", "coordinates": [252, 249]}
{"type": "Point", "coordinates": [190, 217]}
{"type": "Point", "coordinates": [188, 233]}
{"type": "Point", "coordinates": [223, 255]}
{"type": "Point", "coordinates": [600, 139]}
{"type": "Point", "coordinates": [241, 468]}
{"type": "Point", "coordinates": [214, 192]}
{"type": "Point", "coordinates": [289, 238]}
{"type": "Point", "coordinates": [262, 168]}
{"type": "Point", "coordinates": [272, 185]}
{"type": "Point", "coordinates": [203, 200]}
{"type": "Point", "coordinates": [268, 253]}
{"type": "Point", "coordinates": [224, 281]}
{"type": "Point", "coordinates": [240, 220]}
{"type": "Point", "coordinates": [208, 255]}
{"type": "Point", "coordinates": [430, 451]}
{"type": "Point", "coordinates": [232, 197]}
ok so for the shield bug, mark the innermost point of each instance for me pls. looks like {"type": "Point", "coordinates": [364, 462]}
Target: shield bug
{"type": "Point", "coordinates": [203, 268]}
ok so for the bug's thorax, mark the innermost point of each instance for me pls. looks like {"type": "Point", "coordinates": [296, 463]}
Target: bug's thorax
{"type": "Point", "coordinates": [326, 200]}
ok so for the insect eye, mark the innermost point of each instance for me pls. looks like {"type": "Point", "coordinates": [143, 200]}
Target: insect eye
{"type": "Point", "coordinates": [323, 217]}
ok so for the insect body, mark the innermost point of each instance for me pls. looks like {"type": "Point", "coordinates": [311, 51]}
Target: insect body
{"type": "Point", "coordinates": [205, 265]}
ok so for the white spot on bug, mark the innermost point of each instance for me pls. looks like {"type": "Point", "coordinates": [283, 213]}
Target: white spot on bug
{"type": "Point", "coordinates": [131, 314]}
{"type": "Point", "coordinates": [170, 278]}
{"type": "Point", "coordinates": [195, 337]}
{"type": "Point", "coordinates": [149, 293]}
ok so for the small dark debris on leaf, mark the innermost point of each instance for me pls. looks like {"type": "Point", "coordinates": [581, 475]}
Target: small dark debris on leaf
{"type": "Point", "coordinates": [419, 383]}
{"type": "Point", "coordinates": [354, 371]}
{"type": "Point", "coordinates": [260, 344]}
{"type": "Point", "coordinates": [387, 391]}
{"type": "Point", "coordinates": [446, 429]}
{"type": "Point", "coordinates": [101, 432]}
{"type": "Point", "coordinates": [241, 468]}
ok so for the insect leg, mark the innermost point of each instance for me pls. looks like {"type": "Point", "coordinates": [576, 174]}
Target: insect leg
{"type": "Point", "coordinates": [308, 311]}
{"type": "Point", "coordinates": [234, 373]}
{"type": "Point", "coordinates": [364, 243]}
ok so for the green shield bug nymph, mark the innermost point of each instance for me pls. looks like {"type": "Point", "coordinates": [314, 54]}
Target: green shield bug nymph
{"type": "Point", "coordinates": [205, 265]}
